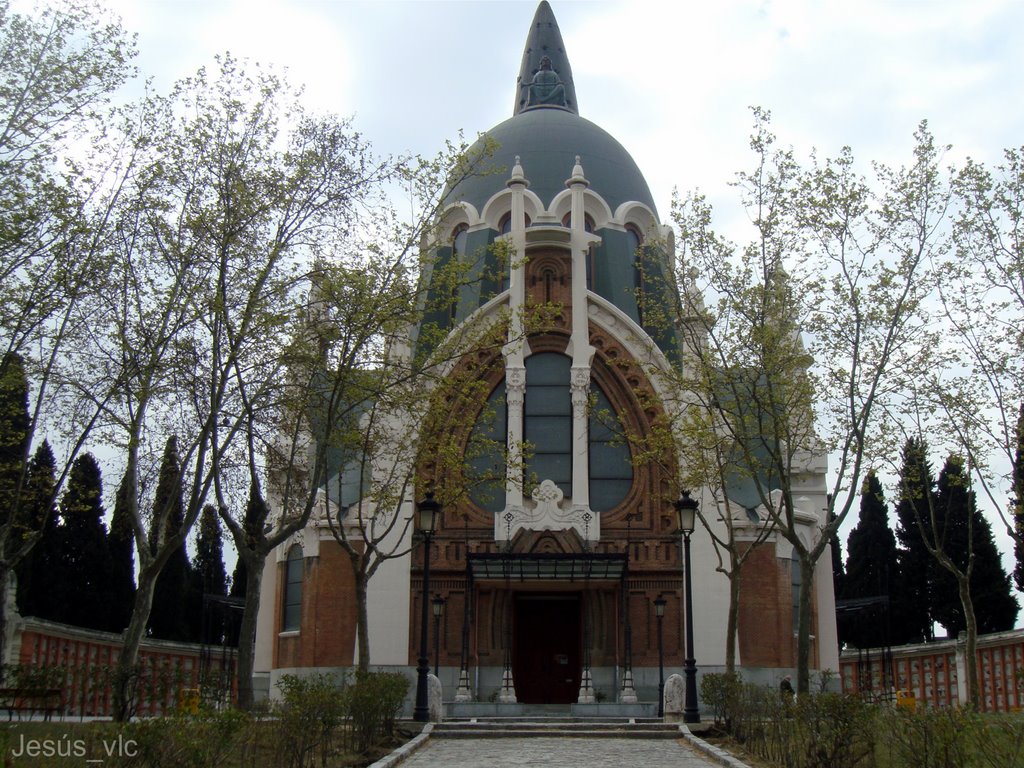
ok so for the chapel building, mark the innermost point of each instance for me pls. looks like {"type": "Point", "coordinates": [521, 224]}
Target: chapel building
{"type": "Point", "coordinates": [549, 576]}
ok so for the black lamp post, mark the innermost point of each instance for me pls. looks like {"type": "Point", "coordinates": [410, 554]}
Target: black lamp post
{"type": "Point", "coordinates": [659, 612]}
{"type": "Point", "coordinates": [428, 512]}
{"type": "Point", "coordinates": [686, 512]}
{"type": "Point", "coordinates": [438, 605]}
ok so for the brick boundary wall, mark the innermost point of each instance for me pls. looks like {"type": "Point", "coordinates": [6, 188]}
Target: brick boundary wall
{"type": "Point", "coordinates": [930, 671]}
{"type": "Point", "coordinates": [168, 669]}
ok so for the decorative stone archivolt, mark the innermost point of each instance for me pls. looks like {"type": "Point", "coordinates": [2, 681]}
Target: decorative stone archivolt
{"type": "Point", "coordinates": [547, 511]}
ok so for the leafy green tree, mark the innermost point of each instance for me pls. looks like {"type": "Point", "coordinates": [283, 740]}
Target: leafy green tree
{"type": "Point", "coordinates": [230, 192]}
{"type": "Point", "coordinates": [912, 620]}
{"type": "Point", "coordinates": [872, 570]}
{"type": "Point", "coordinates": [84, 568]}
{"type": "Point", "coordinates": [968, 543]}
{"type": "Point", "coordinates": [38, 582]}
{"type": "Point", "coordinates": [61, 63]}
{"type": "Point", "coordinates": [811, 330]}
{"type": "Point", "coordinates": [169, 617]}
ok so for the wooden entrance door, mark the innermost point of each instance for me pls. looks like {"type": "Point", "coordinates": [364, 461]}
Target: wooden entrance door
{"type": "Point", "coordinates": [546, 650]}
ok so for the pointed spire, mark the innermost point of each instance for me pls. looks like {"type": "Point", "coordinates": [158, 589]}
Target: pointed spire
{"type": "Point", "coordinates": [545, 41]}
{"type": "Point", "coordinates": [577, 175]}
{"type": "Point", "coordinates": [517, 177]}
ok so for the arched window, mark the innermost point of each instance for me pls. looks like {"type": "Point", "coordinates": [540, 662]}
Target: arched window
{"type": "Point", "coordinates": [611, 466]}
{"type": "Point", "coordinates": [588, 222]}
{"type": "Point", "coordinates": [291, 617]}
{"type": "Point", "coordinates": [459, 237]}
{"type": "Point", "coordinates": [795, 579]}
{"type": "Point", "coordinates": [634, 241]}
{"type": "Point", "coordinates": [547, 428]}
{"type": "Point", "coordinates": [505, 224]}
{"type": "Point", "coordinates": [485, 453]}
{"type": "Point", "coordinates": [547, 420]}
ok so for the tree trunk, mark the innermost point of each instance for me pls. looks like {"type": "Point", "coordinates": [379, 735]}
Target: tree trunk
{"type": "Point", "coordinates": [247, 631]}
{"type": "Point", "coordinates": [362, 621]}
{"type": "Point", "coordinates": [125, 674]}
{"type": "Point", "coordinates": [971, 622]}
{"type": "Point", "coordinates": [732, 622]}
{"type": "Point", "coordinates": [803, 642]}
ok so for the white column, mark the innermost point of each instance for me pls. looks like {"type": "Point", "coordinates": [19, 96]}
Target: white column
{"type": "Point", "coordinates": [515, 351]}
{"type": "Point", "coordinates": [582, 356]}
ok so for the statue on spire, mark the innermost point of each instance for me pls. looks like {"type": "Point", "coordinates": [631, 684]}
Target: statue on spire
{"type": "Point", "coordinates": [547, 89]}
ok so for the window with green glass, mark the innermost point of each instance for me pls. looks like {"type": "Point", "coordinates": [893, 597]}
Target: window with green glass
{"type": "Point", "coordinates": [485, 459]}
{"type": "Point", "coordinates": [292, 614]}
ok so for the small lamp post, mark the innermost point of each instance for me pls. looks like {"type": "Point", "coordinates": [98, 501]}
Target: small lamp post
{"type": "Point", "coordinates": [686, 513]}
{"type": "Point", "coordinates": [427, 512]}
{"type": "Point", "coordinates": [438, 605]}
{"type": "Point", "coordinates": [659, 612]}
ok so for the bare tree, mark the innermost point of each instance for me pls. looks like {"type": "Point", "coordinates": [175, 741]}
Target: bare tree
{"type": "Point", "coordinates": [812, 329]}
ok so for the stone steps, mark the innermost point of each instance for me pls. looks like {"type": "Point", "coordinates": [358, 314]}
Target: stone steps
{"type": "Point", "coordinates": [568, 727]}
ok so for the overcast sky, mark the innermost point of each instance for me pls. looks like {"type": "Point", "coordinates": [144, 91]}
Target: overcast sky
{"type": "Point", "coordinates": [673, 82]}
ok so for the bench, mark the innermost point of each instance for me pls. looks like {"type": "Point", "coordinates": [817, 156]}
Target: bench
{"type": "Point", "coordinates": [44, 700]}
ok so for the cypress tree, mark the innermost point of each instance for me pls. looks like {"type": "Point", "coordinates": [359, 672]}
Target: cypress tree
{"type": "Point", "coordinates": [966, 534]}
{"type": "Point", "coordinates": [21, 505]}
{"type": "Point", "coordinates": [871, 568]}
{"type": "Point", "coordinates": [910, 612]}
{"type": "Point", "coordinates": [38, 585]}
{"type": "Point", "coordinates": [255, 513]}
{"type": "Point", "coordinates": [209, 576]}
{"type": "Point", "coordinates": [85, 574]}
{"type": "Point", "coordinates": [838, 572]}
{"type": "Point", "coordinates": [168, 619]}
{"type": "Point", "coordinates": [15, 436]}
{"type": "Point", "coordinates": [121, 548]}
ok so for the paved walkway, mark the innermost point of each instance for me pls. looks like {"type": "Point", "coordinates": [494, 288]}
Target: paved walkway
{"type": "Point", "coordinates": [564, 752]}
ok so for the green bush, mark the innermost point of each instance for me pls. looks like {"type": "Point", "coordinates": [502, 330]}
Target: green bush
{"type": "Point", "coordinates": [309, 715]}
{"type": "Point", "coordinates": [320, 716]}
{"type": "Point", "coordinates": [722, 692]}
{"type": "Point", "coordinates": [930, 737]}
{"type": "Point", "coordinates": [825, 730]}
{"type": "Point", "coordinates": [831, 730]}
{"type": "Point", "coordinates": [372, 704]}
{"type": "Point", "coordinates": [999, 740]}
{"type": "Point", "coordinates": [200, 741]}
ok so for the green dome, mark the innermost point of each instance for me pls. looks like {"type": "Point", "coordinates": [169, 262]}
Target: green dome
{"type": "Point", "coordinates": [547, 141]}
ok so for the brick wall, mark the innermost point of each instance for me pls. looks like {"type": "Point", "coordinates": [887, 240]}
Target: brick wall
{"type": "Point", "coordinates": [930, 671]}
{"type": "Point", "coordinates": [83, 659]}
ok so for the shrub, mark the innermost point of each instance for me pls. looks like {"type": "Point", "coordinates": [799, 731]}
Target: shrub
{"type": "Point", "coordinates": [372, 704]}
{"type": "Point", "coordinates": [308, 717]}
{"type": "Point", "coordinates": [999, 741]}
{"type": "Point", "coordinates": [933, 738]}
{"type": "Point", "coordinates": [824, 730]}
{"type": "Point", "coordinates": [199, 741]}
{"type": "Point", "coordinates": [832, 731]}
{"type": "Point", "coordinates": [722, 692]}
